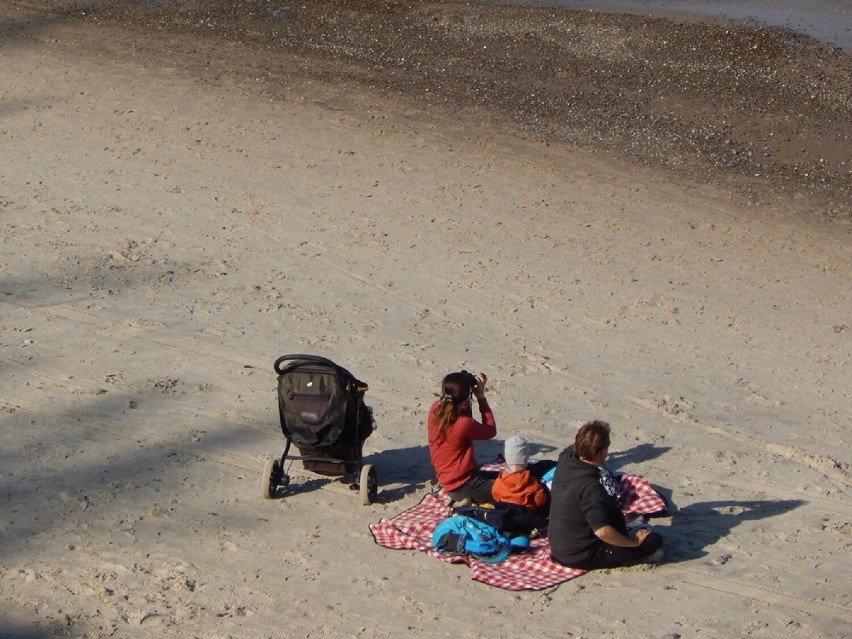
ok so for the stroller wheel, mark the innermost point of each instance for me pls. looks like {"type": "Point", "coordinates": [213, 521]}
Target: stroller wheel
{"type": "Point", "coordinates": [270, 478]}
{"type": "Point", "coordinates": [368, 484]}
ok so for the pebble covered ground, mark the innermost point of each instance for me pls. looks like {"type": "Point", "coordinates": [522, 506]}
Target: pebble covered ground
{"type": "Point", "coordinates": [765, 111]}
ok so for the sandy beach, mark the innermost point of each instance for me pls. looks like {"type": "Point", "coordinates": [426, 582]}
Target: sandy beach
{"type": "Point", "coordinates": [186, 196]}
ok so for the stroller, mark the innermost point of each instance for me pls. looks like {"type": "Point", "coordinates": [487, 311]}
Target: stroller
{"type": "Point", "coordinates": [322, 411]}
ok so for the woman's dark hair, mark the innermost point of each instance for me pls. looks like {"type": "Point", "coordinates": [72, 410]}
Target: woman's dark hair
{"type": "Point", "coordinates": [591, 439]}
{"type": "Point", "coordinates": [456, 389]}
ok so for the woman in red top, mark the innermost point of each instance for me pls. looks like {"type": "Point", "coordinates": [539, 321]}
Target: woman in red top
{"type": "Point", "coordinates": [452, 431]}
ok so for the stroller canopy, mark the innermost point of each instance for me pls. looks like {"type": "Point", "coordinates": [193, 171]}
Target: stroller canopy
{"type": "Point", "coordinates": [320, 403]}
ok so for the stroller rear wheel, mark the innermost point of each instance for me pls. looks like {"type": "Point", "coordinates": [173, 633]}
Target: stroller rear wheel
{"type": "Point", "coordinates": [368, 484]}
{"type": "Point", "coordinates": [271, 478]}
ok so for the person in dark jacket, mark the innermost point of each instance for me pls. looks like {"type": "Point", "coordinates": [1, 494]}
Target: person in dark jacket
{"type": "Point", "coordinates": [587, 528]}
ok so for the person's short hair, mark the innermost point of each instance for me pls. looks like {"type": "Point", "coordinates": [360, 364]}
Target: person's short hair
{"type": "Point", "coordinates": [591, 439]}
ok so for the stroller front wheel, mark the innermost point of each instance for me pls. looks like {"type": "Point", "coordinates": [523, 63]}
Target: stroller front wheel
{"type": "Point", "coordinates": [368, 484]}
{"type": "Point", "coordinates": [270, 478]}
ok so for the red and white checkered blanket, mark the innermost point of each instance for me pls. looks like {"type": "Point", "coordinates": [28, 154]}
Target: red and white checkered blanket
{"type": "Point", "coordinates": [531, 570]}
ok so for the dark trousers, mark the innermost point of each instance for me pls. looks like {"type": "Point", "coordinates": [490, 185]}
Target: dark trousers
{"type": "Point", "coordinates": [477, 488]}
{"type": "Point", "coordinates": [607, 556]}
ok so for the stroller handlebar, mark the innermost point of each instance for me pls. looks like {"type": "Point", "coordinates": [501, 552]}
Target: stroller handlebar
{"type": "Point", "coordinates": [287, 363]}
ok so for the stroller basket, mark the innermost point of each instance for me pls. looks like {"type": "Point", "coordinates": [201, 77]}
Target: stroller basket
{"type": "Point", "coordinates": [322, 413]}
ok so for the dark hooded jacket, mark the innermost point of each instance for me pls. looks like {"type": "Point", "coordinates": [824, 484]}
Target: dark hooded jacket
{"type": "Point", "coordinates": [579, 506]}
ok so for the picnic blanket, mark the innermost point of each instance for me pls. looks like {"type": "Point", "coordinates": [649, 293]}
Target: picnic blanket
{"type": "Point", "coordinates": [530, 570]}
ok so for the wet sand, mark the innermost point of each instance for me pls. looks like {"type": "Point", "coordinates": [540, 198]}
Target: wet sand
{"type": "Point", "coordinates": [829, 21]}
{"type": "Point", "coordinates": [764, 112]}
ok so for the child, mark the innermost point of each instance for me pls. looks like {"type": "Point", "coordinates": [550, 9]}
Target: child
{"type": "Point", "coordinates": [517, 485]}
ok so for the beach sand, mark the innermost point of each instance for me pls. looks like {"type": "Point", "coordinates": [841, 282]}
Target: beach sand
{"type": "Point", "coordinates": [184, 200]}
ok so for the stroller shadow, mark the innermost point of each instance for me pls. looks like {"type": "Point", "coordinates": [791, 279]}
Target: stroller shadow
{"type": "Point", "coordinates": [697, 526]}
{"type": "Point", "coordinates": [402, 472]}
{"type": "Point", "coordinates": [297, 487]}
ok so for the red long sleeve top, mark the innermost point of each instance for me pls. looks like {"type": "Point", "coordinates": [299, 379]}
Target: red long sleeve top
{"type": "Point", "coordinates": [452, 456]}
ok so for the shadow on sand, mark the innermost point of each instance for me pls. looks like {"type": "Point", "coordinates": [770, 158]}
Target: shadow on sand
{"type": "Point", "coordinates": [698, 526]}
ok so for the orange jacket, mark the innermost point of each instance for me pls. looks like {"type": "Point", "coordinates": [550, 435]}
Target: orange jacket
{"type": "Point", "coordinates": [520, 488]}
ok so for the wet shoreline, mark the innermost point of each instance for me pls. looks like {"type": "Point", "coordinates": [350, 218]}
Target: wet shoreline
{"type": "Point", "coordinates": [764, 111]}
{"type": "Point", "coordinates": [828, 21]}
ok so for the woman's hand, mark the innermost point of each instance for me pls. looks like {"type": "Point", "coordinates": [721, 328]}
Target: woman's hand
{"type": "Point", "coordinates": [479, 389]}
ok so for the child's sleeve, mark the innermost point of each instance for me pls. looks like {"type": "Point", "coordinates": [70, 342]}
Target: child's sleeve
{"type": "Point", "coordinates": [540, 496]}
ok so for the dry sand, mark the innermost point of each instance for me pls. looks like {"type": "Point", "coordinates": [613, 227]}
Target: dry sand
{"type": "Point", "coordinates": [167, 234]}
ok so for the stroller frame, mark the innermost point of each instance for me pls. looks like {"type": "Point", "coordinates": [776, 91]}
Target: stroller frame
{"type": "Point", "coordinates": [308, 417]}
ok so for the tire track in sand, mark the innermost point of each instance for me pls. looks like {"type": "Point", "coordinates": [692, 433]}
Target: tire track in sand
{"type": "Point", "coordinates": [760, 593]}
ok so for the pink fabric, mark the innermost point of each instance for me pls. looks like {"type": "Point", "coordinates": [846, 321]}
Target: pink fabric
{"type": "Point", "coordinates": [531, 570]}
{"type": "Point", "coordinates": [638, 497]}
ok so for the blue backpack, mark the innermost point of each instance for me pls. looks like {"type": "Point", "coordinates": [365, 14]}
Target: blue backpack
{"type": "Point", "coordinates": [460, 535]}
